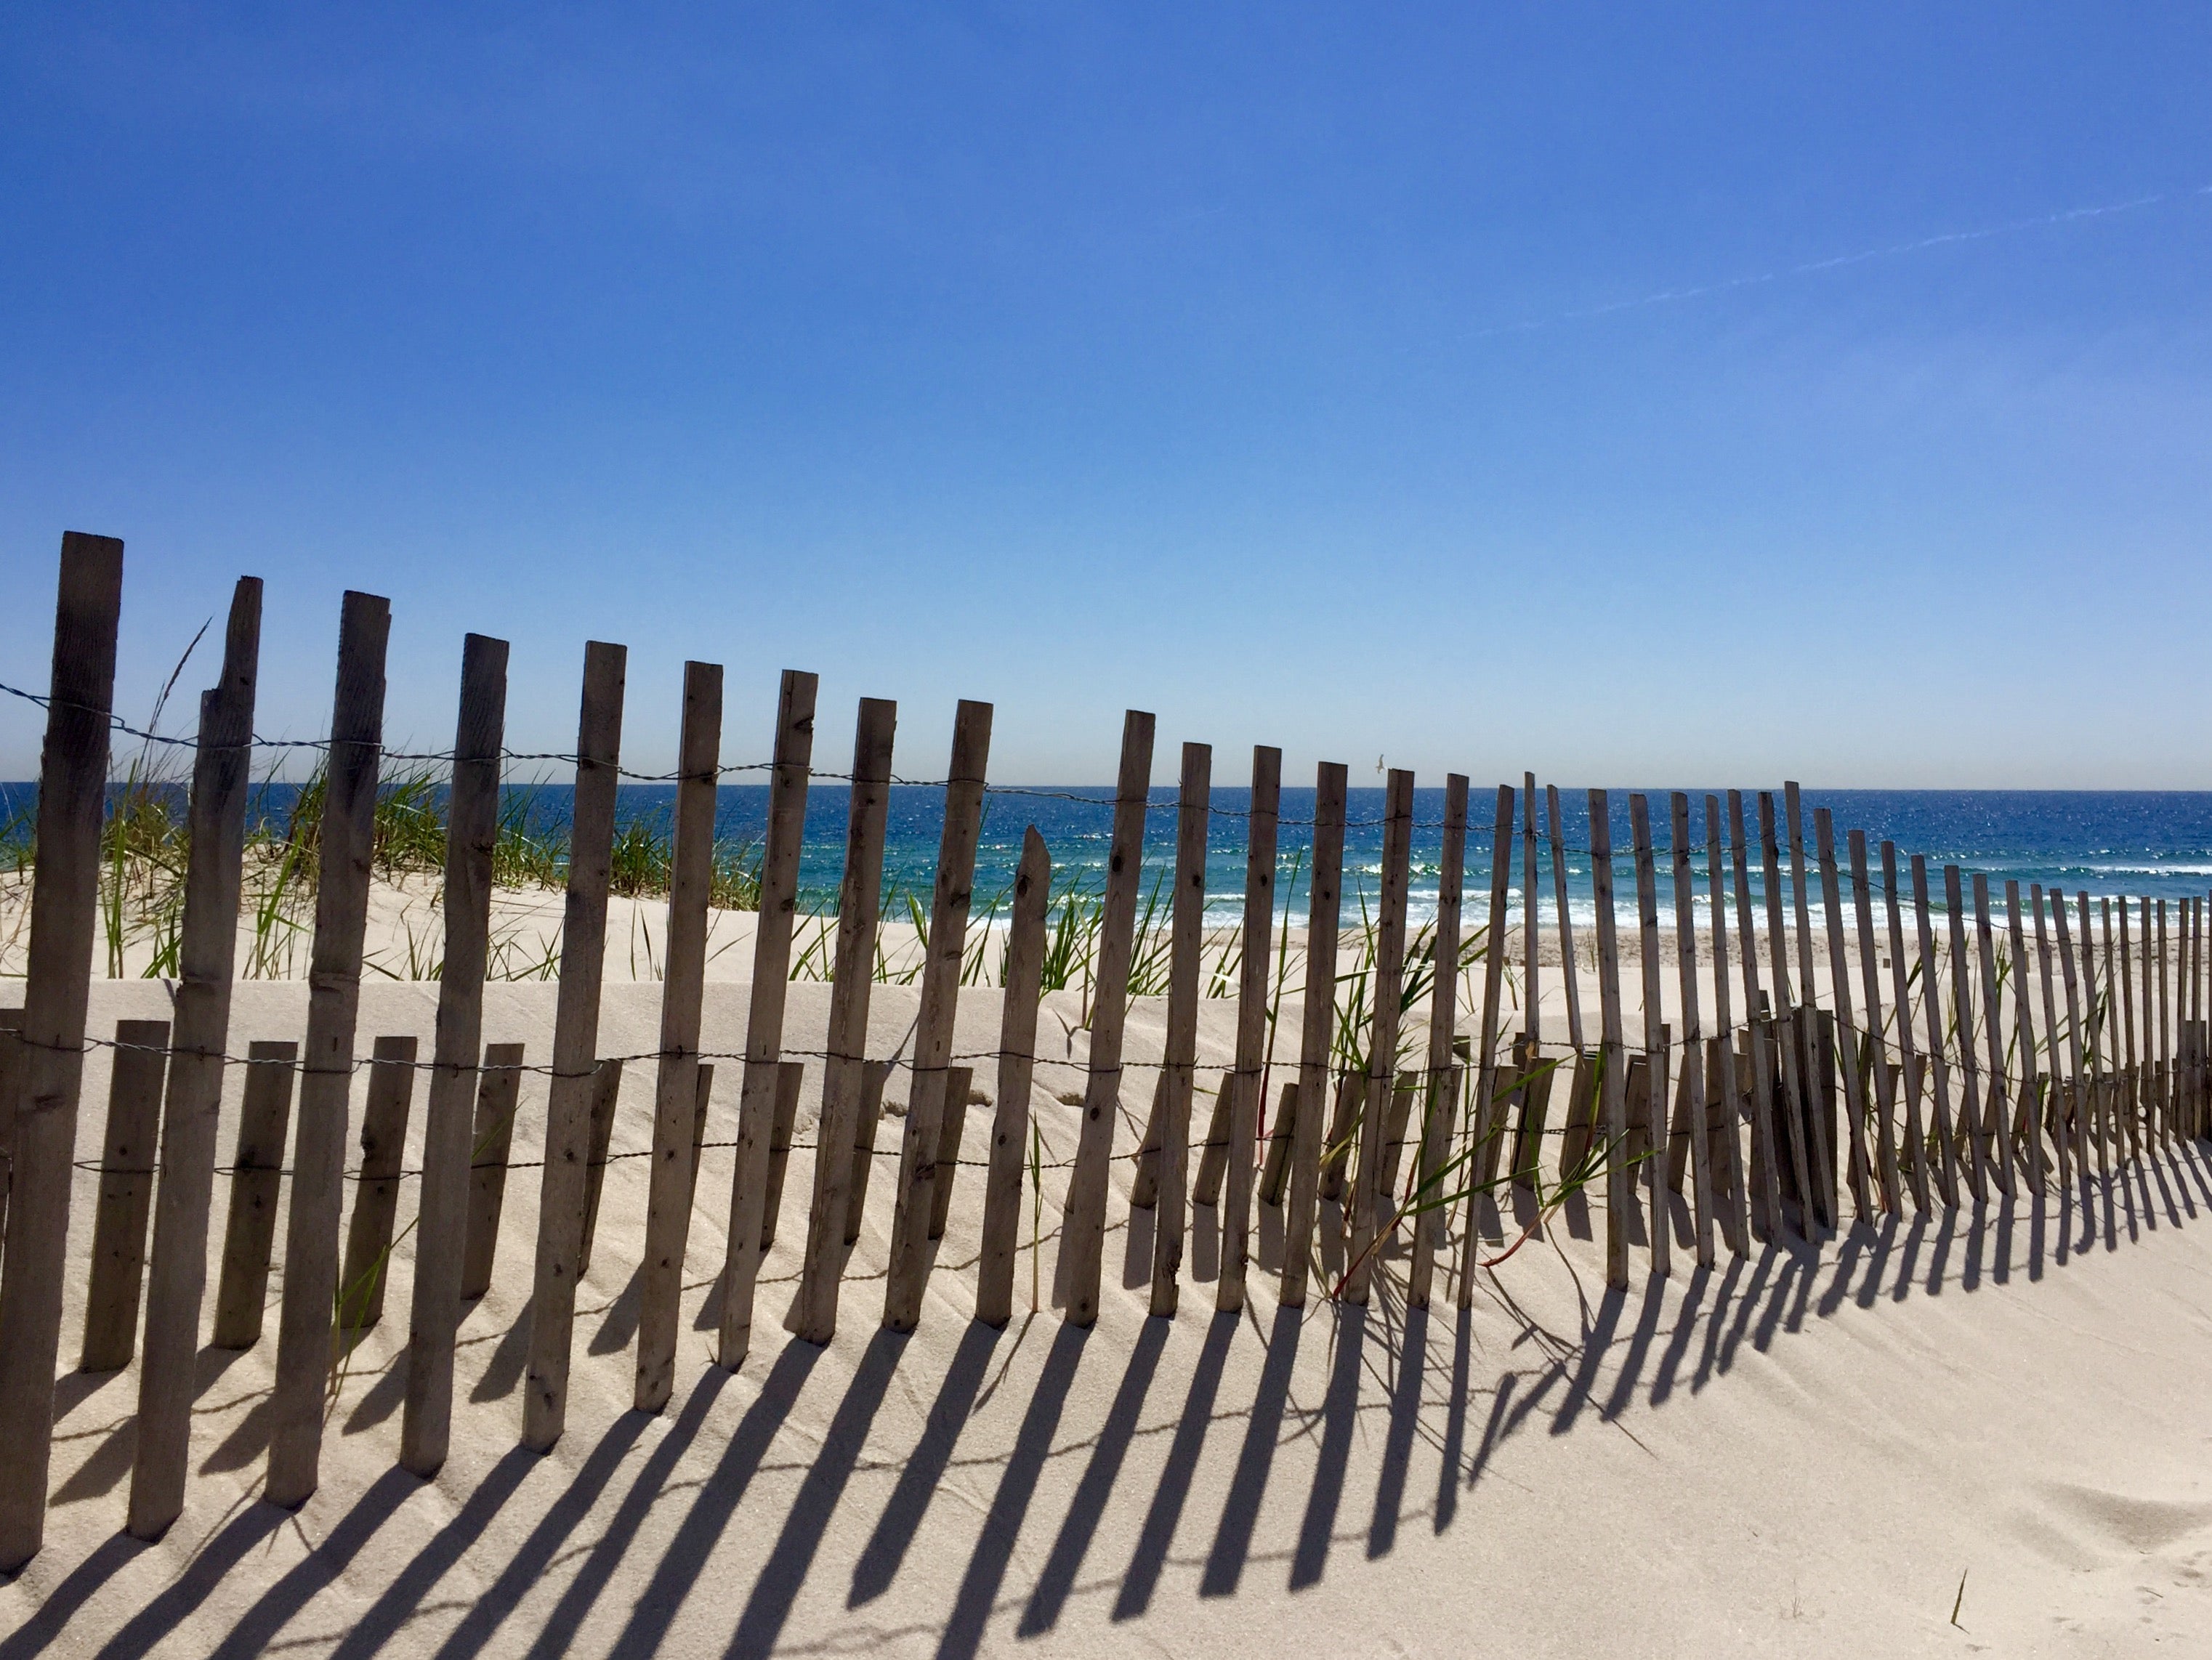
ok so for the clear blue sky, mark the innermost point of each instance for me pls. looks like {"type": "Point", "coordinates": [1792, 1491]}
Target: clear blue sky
{"type": "Point", "coordinates": [1298, 372]}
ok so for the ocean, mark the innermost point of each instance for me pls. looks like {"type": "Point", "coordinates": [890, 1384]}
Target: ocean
{"type": "Point", "coordinates": [2154, 843]}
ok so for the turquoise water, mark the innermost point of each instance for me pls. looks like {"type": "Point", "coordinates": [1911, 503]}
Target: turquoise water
{"type": "Point", "coordinates": [2157, 844]}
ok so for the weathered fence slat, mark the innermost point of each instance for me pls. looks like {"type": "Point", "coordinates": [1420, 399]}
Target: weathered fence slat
{"type": "Point", "coordinates": [441, 1225]}
{"type": "Point", "coordinates": [176, 1280]}
{"type": "Point", "coordinates": [2051, 1118]}
{"type": "Point", "coordinates": [753, 1211]}
{"type": "Point", "coordinates": [569, 1093]}
{"type": "Point", "coordinates": [813, 1314]}
{"type": "Point", "coordinates": [790, 1079]}
{"type": "Point", "coordinates": [1796, 1105]}
{"type": "Point", "coordinates": [126, 1193]}
{"type": "Point", "coordinates": [1439, 1096]}
{"type": "Point", "coordinates": [1840, 991]}
{"type": "Point", "coordinates": [959, 1081]}
{"type": "Point", "coordinates": [376, 1188]}
{"type": "Point", "coordinates": [1569, 970]}
{"type": "Point", "coordinates": [2077, 1043]}
{"type": "Point", "coordinates": [326, 1057]}
{"type": "Point", "coordinates": [2029, 1148]}
{"type": "Point", "coordinates": [1939, 1068]}
{"type": "Point", "coordinates": [606, 1101]}
{"type": "Point", "coordinates": [1187, 946]}
{"type": "Point", "coordinates": [1246, 1087]}
{"type": "Point", "coordinates": [1656, 1055]}
{"type": "Point", "coordinates": [1016, 1065]}
{"type": "Point", "coordinates": [933, 1113]}
{"type": "Point", "coordinates": [2093, 1116]}
{"type": "Point", "coordinates": [256, 1183]}
{"type": "Point", "coordinates": [875, 1076]}
{"type": "Point", "coordinates": [1885, 1080]}
{"type": "Point", "coordinates": [1485, 1111]}
{"type": "Point", "coordinates": [1997, 1109]}
{"type": "Point", "coordinates": [1766, 1203]}
{"type": "Point", "coordinates": [1722, 1071]}
{"type": "Point", "coordinates": [1694, 1035]}
{"type": "Point", "coordinates": [1316, 1031]}
{"type": "Point", "coordinates": [1969, 1128]}
{"type": "Point", "coordinates": [12, 1062]}
{"type": "Point", "coordinates": [1084, 1236]}
{"type": "Point", "coordinates": [65, 898]}
{"type": "Point", "coordinates": [702, 1092]}
{"type": "Point", "coordinates": [675, 1098]}
{"type": "Point", "coordinates": [1613, 1053]}
{"type": "Point", "coordinates": [1368, 1191]}
{"type": "Point", "coordinates": [499, 1090]}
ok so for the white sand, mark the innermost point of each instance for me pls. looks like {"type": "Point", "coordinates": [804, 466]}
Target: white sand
{"type": "Point", "coordinates": [1800, 1454]}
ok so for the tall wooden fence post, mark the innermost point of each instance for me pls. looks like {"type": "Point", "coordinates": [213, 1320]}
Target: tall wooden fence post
{"type": "Point", "coordinates": [65, 898]}
{"type": "Point", "coordinates": [1694, 1035]}
{"type": "Point", "coordinates": [222, 770]}
{"type": "Point", "coordinates": [1186, 945]}
{"type": "Point", "coordinates": [813, 1315]}
{"type": "Point", "coordinates": [1317, 1029]}
{"type": "Point", "coordinates": [575, 1047]}
{"type": "Point", "coordinates": [752, 1221]}
{"type": "Point", "coordinates": [1440, 1099]}
{"type": "Point", "coordinates": [1368, 1196]}
{"type": "Point", "coordinates": [326, 1061]}
{"type": "Point", "coordinates": [1839, 989]}
{"type": "Point", "coordinates": [1010, 1128]}
{"type": "Point", "coordinates": [1084, 1237]}
{"type": "Point", "coordinates": [1486, 1111]}
{"type": "Point", "coordinates": [1248, 1084]}
{"type": "Point", "coordinates": [1995, 1106]}
{"type": "Point", "coordinates": [676, 1084]}
{"type": "Point", "coordinates": [1612, 1052]}
{"type": "Point", "coordinates": [1885, 1082]}
{"type": "Point", "coordinates": [932, 1109]}
{"type": "Point", "coordinates": [442, 1219]}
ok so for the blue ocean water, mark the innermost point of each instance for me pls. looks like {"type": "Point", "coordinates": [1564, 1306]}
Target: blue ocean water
{"type": "Point", "coordinates": [2154, 843]}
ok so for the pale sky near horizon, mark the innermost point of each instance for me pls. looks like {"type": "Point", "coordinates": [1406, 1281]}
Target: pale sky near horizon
{"type": "Point", "coordinates": [1628, 394]}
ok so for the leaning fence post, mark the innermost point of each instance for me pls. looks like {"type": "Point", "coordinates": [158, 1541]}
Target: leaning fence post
{"type": "Point", "coordinates": [1766, 1206]}
{"type": "Point", "coordinates": [1002, 1192]}
{"type": "Point", "coordinates": [441, 1216]}
{"type": "Point", "coordinates": [311, 1237]}
{"type": "Point", "coordinates": [1439, 1097]}
{"type": "Point", "coordinates": [575, 1043]}
{"type": "Point", "coordinates": [1248, 1083]}
{"type": "Point", "coordinates": [64, 897]}
{"type": "Point", "coordinates": [2049, 1108]}
{"type": "Point", "coordinates": [752, 1214]}
{"type": "Point", "coordinates": [1909, 1069]}
{"type": "Point", "coordinates": [1084, 1235]}
{"type": "Point", "coordinates": [931, 1108]}
{"type": "Point", "coordinates": [1179, 1059]}
{"type": "Point", "coordinates": [813, 1315]}
{"type": "Point", "coordinates": [1317, 1030]}
{"type": "Point", "coordinates": [1375, 1090]}
{"type": "Point", "coordinates": [1726, 1085]}
{"type": "Point", "coordinates": [676, 1084]}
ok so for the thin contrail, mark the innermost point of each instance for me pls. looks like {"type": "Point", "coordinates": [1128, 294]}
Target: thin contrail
{"type": "Point", "coordinates": [1668, 296]}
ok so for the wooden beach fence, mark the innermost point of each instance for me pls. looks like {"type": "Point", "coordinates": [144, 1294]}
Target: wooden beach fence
{"type": "Point", "coordinates": [1955, 1079]}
